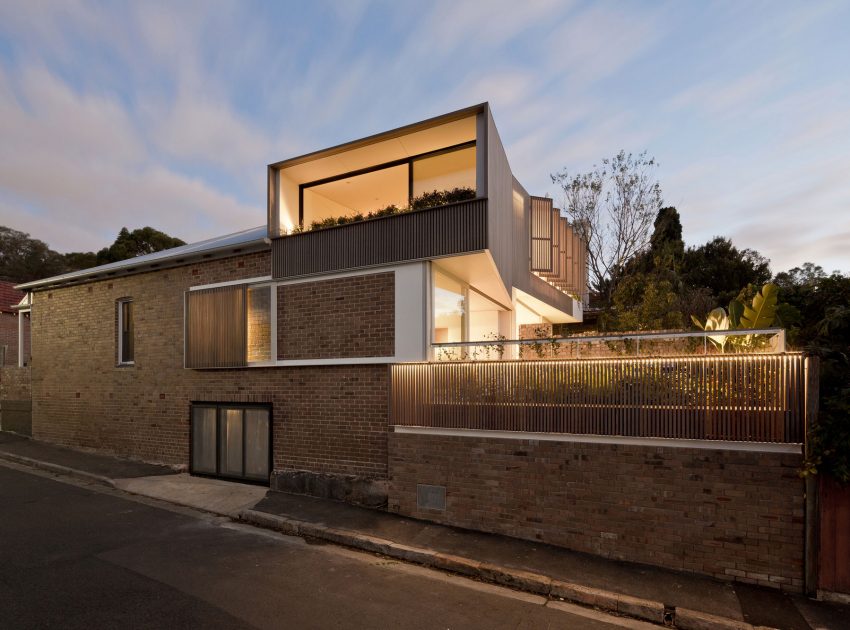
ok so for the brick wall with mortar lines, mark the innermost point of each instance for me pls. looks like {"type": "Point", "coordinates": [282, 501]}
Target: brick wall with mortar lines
{"type": "Point", "coordinates": [338, 318]}
{"type": "Point", "coordinates": [9, 337]}
{"type": "Point", "coordinates": [15, 383]}
{"type": "Point", "coordinates": [729, 514]}
{"type": "Point", "coordinates": [82, 399]}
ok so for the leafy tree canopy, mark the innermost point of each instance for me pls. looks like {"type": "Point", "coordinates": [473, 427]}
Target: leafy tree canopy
{"type": "Point", "coordinates": [141, 241]}
{"type": "Point", "coordinates": [612, 208]}
{"type": "Point", "coordinates": [723, 268]}
{"type": "Point", "coordinates": [647, 293]}
{"type": "Point", "coordinates": [23, 258]}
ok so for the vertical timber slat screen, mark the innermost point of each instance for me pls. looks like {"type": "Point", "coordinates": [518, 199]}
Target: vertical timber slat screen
{"type": "Point", "coordinates": [216, 328]}
{"type": "Point", "coordinates": [558, 253]}
{"type": "Point", "coordinates": [542, 226]}
{"type": "Point", "coordinates": [442, 231]}
{"type": "Point", "coordinates": [757, 398]}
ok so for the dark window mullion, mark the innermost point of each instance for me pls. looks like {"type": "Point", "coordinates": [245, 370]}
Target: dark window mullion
{"type": "Point", "coordinates": [218, 431]}
{"type": "Point", "coordinates": [244, 439]}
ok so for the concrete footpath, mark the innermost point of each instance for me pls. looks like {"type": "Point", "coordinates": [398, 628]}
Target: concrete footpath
{"type": "Point", "coordinates": [664, 597]}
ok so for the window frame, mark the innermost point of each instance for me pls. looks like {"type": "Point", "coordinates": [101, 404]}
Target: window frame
{"type": "Point", "coordinates": [272, 322]}
{"type": "Point", "coordinates": [220, 406]}
{"type": "Point", "coordinates": [378, 167]}
{"type": "Point", "coordinates": [122, 362]}
{"type": "Point", "coordinates": [245, 285]}
{"type": "Point", "coordinates": [467, 290]}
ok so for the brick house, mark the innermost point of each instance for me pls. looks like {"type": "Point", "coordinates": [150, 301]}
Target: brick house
{"type": "Point", "coordinates": [307, 354]}
{"type": "Point", "coordinates": [14, 326]}
{"type": "Point", "coordinates": [263, 355]}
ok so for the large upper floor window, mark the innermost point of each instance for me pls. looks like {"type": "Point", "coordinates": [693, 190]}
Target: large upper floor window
{"type": "Point", "coordinates": [391, 184]}
{"type": "Point", "coordinates": [230, 326]}
{"type": "Point", "coordinates": [126, 327]}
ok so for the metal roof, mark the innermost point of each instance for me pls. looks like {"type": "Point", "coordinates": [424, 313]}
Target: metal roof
{"type": "Point", "coordinates": [9, 296]}
{"type": "Point", "coordinates": [239, 242]}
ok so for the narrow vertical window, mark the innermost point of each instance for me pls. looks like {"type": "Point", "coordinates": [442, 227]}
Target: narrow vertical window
{"type": "Point", "coordinates": [125, 332]}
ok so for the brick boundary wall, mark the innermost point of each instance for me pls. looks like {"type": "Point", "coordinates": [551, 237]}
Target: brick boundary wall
{"type": "Point", "coordinates": [16, 400]}
{"type": "Point", "coordinates": [329, 420]}
{"type": "Point", "coordinates": [733, 515]}
{"type": "Point", "coordinates": [15, 383]}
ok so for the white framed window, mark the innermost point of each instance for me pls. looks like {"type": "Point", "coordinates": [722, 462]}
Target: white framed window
{"type": "Point", "coordinates": [126, 332]}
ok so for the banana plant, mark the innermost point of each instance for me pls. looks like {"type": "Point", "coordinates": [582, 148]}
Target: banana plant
{"type": "Point", "coordinates": [741, 316]}
{"type": "Point", "coordinates": [762, 313]}
{"type": "Point", "coordinates": [716, 320]}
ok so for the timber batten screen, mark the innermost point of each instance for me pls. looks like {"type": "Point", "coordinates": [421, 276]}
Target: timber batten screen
{"type": "Point", "coordinates": [758, 398]}
{"type": "Point", "coordinates": [216, 328]}
{"type": "Point", "coordinates": [542, 233]}
{"type": "Point", "coordinates": [558, 253]}
{"type": "Point", "coordinates": [457, 228]}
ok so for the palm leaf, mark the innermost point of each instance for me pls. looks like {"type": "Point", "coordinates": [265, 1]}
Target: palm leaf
{"type": "Point", "coordinates": [762, 314]}
{"type": "Point", "coordinates": [736, 310]}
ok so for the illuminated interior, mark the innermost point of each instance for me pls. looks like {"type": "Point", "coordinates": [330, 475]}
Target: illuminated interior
{"type": "Point", "coordinates": [446, 171]}
{"type": "Point", "coordinates": [390, 186]}
{"type": "Point", "coordinates": [360, 193]}
{"type": "Point", "coordinates": [463, 314]}
{"type": "Point", "coordinates": [432, 173]}
{"type": "Point", "coordinates": [259, 324]}
{"type": "Point", "coordinates": [485, 317]}
{"type": "Point", "coordinates": [450, 297]}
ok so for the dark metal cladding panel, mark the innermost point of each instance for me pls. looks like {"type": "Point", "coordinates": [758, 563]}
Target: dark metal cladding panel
{"type": "Point", "coordinates": [444, 231]}
{"type": "Point", "coordinates": [216, 328]}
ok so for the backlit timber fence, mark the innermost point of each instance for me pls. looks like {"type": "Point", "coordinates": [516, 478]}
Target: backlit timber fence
{"type": "Point", "coordinates": [758, 398]}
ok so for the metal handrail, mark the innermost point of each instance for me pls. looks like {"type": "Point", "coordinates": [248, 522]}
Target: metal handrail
{"type": "Point", "coordinates": [578, 339]}
{"type": "Point", "coordinates": [637, 337]}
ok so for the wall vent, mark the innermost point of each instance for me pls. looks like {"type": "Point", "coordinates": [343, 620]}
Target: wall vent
{"type": "Point", "coordinates": [430, 497]}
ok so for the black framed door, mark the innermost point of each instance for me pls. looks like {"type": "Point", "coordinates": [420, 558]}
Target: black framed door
{"type": "Point", "coordinates": [231, 441]}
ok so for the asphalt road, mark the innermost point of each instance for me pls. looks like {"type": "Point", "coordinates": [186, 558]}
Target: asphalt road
{"type": "Point", "coordinates": [76, 556]}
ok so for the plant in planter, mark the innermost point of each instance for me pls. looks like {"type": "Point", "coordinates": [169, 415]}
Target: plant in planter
{"type": "Point", "coordinates": [424, 201]}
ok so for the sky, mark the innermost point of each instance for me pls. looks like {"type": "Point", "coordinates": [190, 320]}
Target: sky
{"type": "Point", "coordinates": [166, 114]}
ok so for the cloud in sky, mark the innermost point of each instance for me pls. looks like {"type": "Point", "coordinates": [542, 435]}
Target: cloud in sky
{"type": "Point", "coordinates": [165, 114]}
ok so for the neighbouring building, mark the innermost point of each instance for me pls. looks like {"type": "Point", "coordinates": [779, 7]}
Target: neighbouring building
{"type": "Point", "coordinates": [14, 326]}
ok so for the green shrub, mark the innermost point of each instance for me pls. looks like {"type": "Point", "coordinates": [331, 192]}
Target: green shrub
{"type": "Point", "coordinates": [424, 201]}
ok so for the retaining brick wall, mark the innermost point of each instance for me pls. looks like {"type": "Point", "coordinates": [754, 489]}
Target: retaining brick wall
{"type": "Point", "coordinates": [339, 318]}
{"type": "Point", "coordinates": [329, 419]}
{"type": "Point", "coordinates": [729, 514]}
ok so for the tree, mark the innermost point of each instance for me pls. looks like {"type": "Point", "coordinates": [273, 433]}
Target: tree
{"type": "Point", "coordinates": [612, 208]}
{"type": "Point", "coordinates": [74, 261]}
{"type": "Point", "coordinates": [23, 258]}
{"type": "Point", "coordinates": [821, 325]}
{"type": "Point", "coordinates": [647, 291]}
{"type": "Point", "coordinates": [141, 241]}
{"type": "Point", "coordinates": [723, 268]}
